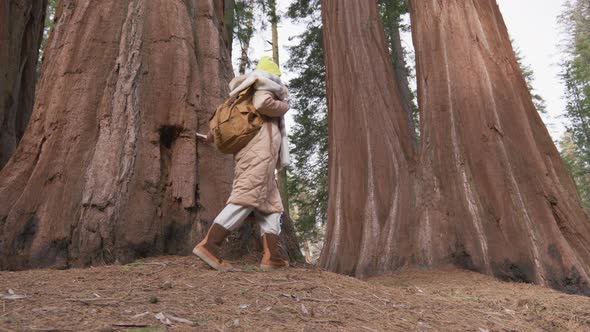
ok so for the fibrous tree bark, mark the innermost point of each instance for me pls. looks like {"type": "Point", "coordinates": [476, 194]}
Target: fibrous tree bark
{"type": "Point", "coordinates": [491, 191]}
{"type": "Point", "coordinates": [109, 168]}
{"type": "Point", "coordinates": [370, 153]}
{"type": "Point", "coordinates": [496, 197]}
{"type": "Point", "coordinates": [21, 33]}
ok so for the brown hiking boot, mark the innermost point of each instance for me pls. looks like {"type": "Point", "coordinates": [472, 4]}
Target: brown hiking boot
{"type": "Point", "coordinates": [209, 250]}
{"type": "Point", "coordinates": [274, 257]}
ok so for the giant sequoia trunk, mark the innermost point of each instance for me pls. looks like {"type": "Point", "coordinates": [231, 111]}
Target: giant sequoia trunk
{"type": "Point", "coordinates": [109, 168]}
{"type": "Point", "coordinates": [491, 191]}
{"type": "Point", "coordinates": [496, 196]}
{"type": "Point", "coordinates": [21, 32]}
{"type": "Point", "coordinates": [370, 153]}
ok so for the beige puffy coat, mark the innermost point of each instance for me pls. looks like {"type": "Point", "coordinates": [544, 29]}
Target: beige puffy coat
{"type": "Point", "coordinates": [254, 182]}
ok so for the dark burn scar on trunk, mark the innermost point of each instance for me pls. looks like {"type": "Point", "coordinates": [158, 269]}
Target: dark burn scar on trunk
{"type": "Point", "coordinates": [553, 252]}
{"type": "Point", "coordinates": [168, 135]}
{"type": "Point", "coordinates": [514, 271]}
{"type": "Point", "coordinates": [25, 238]}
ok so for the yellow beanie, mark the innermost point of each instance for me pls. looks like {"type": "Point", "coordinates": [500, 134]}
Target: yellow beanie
{"type": "Point", "coordinates": [267, 64]}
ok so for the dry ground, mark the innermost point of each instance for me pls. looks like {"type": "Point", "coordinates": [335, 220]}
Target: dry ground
{"type": "Point", "coordinates": [187, 296]}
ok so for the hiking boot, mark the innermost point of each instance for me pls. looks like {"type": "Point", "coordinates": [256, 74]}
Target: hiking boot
{"type": "Point", "coordinates": [209, 250]}
{"type": "Point", "coordinates": [274, 257]}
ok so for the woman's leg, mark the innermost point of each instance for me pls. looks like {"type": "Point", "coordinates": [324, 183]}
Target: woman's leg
{"type": "Point", "coordinates": [232, 216]}
{"type": "Point", "coordinates": [269, 223]}
{"type": "Point", "coordinates": [270, 228]}
{"type": "Point", "coordinates": [229, 219]}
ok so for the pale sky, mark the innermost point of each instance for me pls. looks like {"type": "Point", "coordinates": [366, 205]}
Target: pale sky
{"type": "Point", "coordinates": [534, 28]}
{"type": "Point", "coordinates": [531, 23]}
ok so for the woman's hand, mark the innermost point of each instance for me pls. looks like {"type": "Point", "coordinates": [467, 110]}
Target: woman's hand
{"type": "Point", "coordinates": [206, 139]}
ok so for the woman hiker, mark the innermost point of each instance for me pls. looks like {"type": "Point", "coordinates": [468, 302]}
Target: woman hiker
{"type": "Point", "coordinates": [255, 187]}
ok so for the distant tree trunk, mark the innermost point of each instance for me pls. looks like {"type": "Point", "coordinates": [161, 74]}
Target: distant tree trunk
{"type": "Point", "coordinates": [288, 233]}
{"type": "Point", "coordinates": [21, 33]}
{"type": "Point", "coordinates": [245, 43]}
{"type": "Point", "coordinates": [370, 151]}
{"type": "Point", "coordinates": [229, 21]}
{"type": "Point", "coordinates": [496, 196]}
{"type": "Point", "coordinates": [274, 27]}
{"type": "Point", "coordinates": [109, 168]}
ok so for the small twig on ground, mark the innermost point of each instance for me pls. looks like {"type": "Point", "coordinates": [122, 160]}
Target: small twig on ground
{"type": "Point", "coordinates": [382, 299]}
{"type": "Point", "coordinates": [280, 283]}
{"type": "Point", "coordinates": [130, 325]}
{"type": "Point", "coordinates": [330, 306]}
{"type": "Point", "coordinates": [326, 321]}
{"type": "Point", "coordinates": [130, 290]}
{"type": "Point", "coordinates": [274, 297]}
{"type": "Point", "coordinates": [328, 287]}
{"type": "Point", "coordinates": [364, 303]}
{"type": "Point", "coordinates": [141, 314]}
{"type": "Point", "coordinates": [4, 329]}
{"type": "Point", "coordinates": [148, 263]}
{"type": "Point", "coordinates": [163, 267]}
{"type": "Point", "coordinates": [369, 329]}
{"type": "Point", "coordinates": [312, 299]}
{"type": "Point", "coordinates": [319, 321]}
{"type": "Point", "coordinates": [289, 283]}
{"type": "Point", "coordinates": [95, 299]}
{"type": "Point", "coordinates": [250, 281]}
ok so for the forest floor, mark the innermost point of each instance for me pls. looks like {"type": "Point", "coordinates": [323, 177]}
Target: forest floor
{"type": "Point", "coordinates": [181, 294]}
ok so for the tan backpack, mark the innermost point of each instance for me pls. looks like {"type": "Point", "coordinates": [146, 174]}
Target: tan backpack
{"type": "Point", "coordinates": [235, 122]}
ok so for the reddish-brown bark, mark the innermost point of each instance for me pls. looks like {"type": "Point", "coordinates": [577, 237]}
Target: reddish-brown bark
{"type": "Point", "coordinates": [490, 192]}
{"type": "Point", "coordinates": [370, 182]}
{"type": "Point", "coordinates": [495, 196]}
{"type": "Point", "coordinates": [21, 33]}
{"type": "Point", "coordinates": [109, 168]}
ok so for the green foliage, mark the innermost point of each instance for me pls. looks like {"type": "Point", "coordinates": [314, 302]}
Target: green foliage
{"type": "Point", "coordinates": [49, 23]}
{"type": "Point", "coordinates": [575, 75]}
{"type": "Point", "coordinates": [243, 14]}
{"type": "Point", "coordinates": [391, 12]}
{"type": "Point", "coordinates": [269, 7]}
{"type": "Point", "coordinates": [529, 77]}
{"type": "Point", "coordinates": [576, 166]}
{"type": "Point", "coordinates": [303, 9]}
{"type": "Point", "coordinates": [308, 188]}
{"type": "Point", "coordinates": [251, 16]}
{"type": "Point", "coordinates": [244, 30]}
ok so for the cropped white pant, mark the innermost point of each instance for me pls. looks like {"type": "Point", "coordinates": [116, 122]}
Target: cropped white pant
{"type": "Point", "coordinates": [232, 217]}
